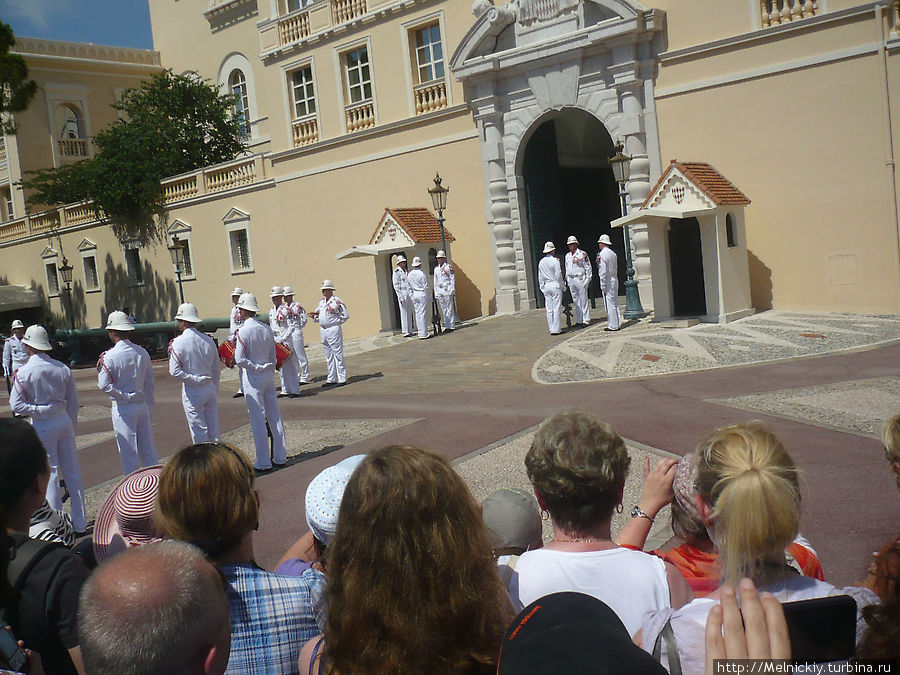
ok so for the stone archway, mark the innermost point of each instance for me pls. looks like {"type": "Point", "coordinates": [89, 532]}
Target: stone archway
{"type": "Point", "coordinates": [512, 85]}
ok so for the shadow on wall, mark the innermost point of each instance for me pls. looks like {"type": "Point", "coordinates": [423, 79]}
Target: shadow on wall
{"type": "Point", "coordinates": [156, 299]}
{"type": "Point", "coordinates": [468, 297]}
{"type": "Point", "coordinates": [760, 283]}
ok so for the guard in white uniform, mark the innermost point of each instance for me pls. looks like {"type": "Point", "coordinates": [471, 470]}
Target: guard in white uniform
{"type": "Point", "coordinates": [608, 273]}
{"type": "Point", "coordinates": [14, 354]}
{"type": "Point", "coordinates": [418, 282]}
{"type": "Point", "coordinates": [330, 313]}
{"type": "Point", "coordinates": [404, 296]}
{"type": "Point", "coordinates": [194, 359]}
{"type": "Point", "coordinates": [44, 390]}
{"type": "Point", "coordinates": [295, 315]}
{"type": "Point", "coordinates": [552, 285]}
{"type": "Point", "coordinates": [256, 353]}
{"type": "Point", "coordinates": [236, 323]}
{"type": "Point", "coordinates": [445, 289]}
{"type": "Point", "coordinates": [578, 276]}
{"type": "Point", "coordinates": [290, 369]}
{"type": "Point", "coordinates": [126, 375]}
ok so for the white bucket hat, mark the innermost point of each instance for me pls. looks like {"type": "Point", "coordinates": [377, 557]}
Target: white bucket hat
{"type": "Point", "coordinates": [118, 320]}
{"type": "Point", "coordinates": [417, 262]}
{"type": "Point", "coordinates": [572, 240]}
{"type": "Point", "coordinates": [36, 338]}
{"type": "Point", "coordinates": [401, 258]}
{"type": "Point", "coordinates": [323, 498]}
{"type": "Point", "coordinates": [549, 247]}
{"type": "Point", "coordinates": [276, 291]}
{"type": "Point", "coordinates": [441, 254]}
{"type": "Point", "coordinates": [328, 284]}
{"type": "Point", "coordinates": [188, 312]}
{"type": "Point", "coordinates": [238, 291]}
{"type": "Point", "coordinates": [248, 301]}
{"type": "Point", "coordinates": [17, 324]}
{"type": "Point", "coordinates": [288, 290]}
{"type": "Point", "coordinates": [604, 239]}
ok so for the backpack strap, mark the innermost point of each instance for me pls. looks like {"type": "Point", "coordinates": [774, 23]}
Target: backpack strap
{"type": "Point", "coordinates": [26, 554]}
{"type": "Point", "coordinates": [668, 635]}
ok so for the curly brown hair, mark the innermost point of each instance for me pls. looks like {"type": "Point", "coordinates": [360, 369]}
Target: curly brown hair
{"type": "Point", "coordinates": [412, 587]}
{"type": "Point", "coordinates": [578, 464]}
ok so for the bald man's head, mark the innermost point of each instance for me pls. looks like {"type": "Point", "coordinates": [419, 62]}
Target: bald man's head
{"type": "Point", "coordinates": [158, 608]}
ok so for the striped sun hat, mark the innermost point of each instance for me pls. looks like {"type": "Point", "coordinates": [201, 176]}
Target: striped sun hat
{"type": "Point", "coordinates": [126, 517]}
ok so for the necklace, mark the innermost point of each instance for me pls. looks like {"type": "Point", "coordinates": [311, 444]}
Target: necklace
{"type": "Point", "coordinates": [580, 540]}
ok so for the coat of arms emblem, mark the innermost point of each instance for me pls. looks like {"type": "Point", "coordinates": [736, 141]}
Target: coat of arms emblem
{"type": "Point", "coordinates": [678, 193]}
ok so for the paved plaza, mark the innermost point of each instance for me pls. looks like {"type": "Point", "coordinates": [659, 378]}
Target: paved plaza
{"type": "Point", "coordinates": [824, 382]}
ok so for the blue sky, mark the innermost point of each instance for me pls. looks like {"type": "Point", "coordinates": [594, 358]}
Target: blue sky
{"type": "Point", "coordinates": [123, 23]}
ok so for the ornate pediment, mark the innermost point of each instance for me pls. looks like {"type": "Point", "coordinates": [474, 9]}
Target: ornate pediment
{"type": "Point", "coordinates": [49, 253]}
{"type": "Point", "coordinates": [692, 186]}
{"type": "Point", "coordinates": [677, 193]}
{"type": "Point", "coordinates": [86, 245]}
{"type": "Point", "coordinates": [178, 226]}
{"type": "Point", "coordinates": [235, 215]}
{"type": "Point", "coordinates": [389, 231]}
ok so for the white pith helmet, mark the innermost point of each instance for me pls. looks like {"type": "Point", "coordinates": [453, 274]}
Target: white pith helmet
{"type": "Point", "coordinates": [36, 338]}
{"type": "Point", "coordinates": [188, 312]}
{"type": "Point", "coordinates": [119, 320]}
{"type": "Point", "coordinates": [248, 301]}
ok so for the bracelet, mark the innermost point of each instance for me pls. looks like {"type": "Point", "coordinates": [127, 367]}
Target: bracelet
{"type": "Point", "coordinates": [638, 512]}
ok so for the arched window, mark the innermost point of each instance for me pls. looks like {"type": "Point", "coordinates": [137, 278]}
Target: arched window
{"type": "Point", "coordinates": [68, 121]}
{"type": "Point", "coordinates": [730, 233]}
{"type": "Point", "coordinates": [237, 84]}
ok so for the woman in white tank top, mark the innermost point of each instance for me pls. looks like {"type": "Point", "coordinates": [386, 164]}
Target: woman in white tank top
{"type": "Point", "coordinates": [577, 465]}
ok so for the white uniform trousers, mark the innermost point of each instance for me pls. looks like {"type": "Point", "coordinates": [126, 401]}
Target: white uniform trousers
{"type": "Point", "coordinates": [553, 301]}
{"type": "Point", "coordinates": [578, 288]}
{"type": "Point", "coordinates": [333, 344]}
{"type": "Point", "coordinates": [420, 302]}
{"type": "Point", "coordinates": [240, 389]}
{"type": "Point", "coordinates": [201, 407]}
{"type": "Point", "coordinates": [448, 314]}
{"type": "Point", "coordinates": [406, 315]}
{"type": "Point", "coordinates": [59, 441]}
{"type": "Point", "coordinates": [611, 298]}
{"type": "Point", "coordinates": [259, 392]}
{"type": "Point", "coordinates": [134, 435]}
{"type": "Point", "coordinates": [300, 355]}
{"type": "Point", "coordinates": [290, 372]}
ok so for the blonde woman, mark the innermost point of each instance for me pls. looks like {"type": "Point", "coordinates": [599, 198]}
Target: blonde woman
{"type": "Point", "coordinates": [749, 501]}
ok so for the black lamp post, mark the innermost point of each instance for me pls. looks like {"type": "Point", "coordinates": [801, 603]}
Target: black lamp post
{"type": "Point", "coordinates": [621, 167]}
{"type": "Point", "coordinates": [439, 201]}
{"type": "Point", "coordinates": [65, 271]}
{"type": "Point", "coordinates": [176, 250]}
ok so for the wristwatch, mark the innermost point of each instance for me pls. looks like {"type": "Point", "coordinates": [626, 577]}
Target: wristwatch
{"type": "Point", "coordinates": [637, 512]}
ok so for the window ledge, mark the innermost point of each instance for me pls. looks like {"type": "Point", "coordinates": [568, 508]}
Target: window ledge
{"type": "Point", "coordinates": [88, 291]}
{"type": "Point", "coordinates": [249, 270]}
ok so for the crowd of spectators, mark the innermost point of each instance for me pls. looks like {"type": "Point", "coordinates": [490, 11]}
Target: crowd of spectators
{"type": "Point", "coordinates": [402, 571]}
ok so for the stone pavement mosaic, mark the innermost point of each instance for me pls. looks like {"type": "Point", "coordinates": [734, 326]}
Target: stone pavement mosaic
{"type": "Point", "coordinates": [645, 348]}
{"type": "Point", "coordinates": [502, 464]}
{"type": "Point", "coordinates": [858, 407]}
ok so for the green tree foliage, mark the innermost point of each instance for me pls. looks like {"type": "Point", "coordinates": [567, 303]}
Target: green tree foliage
{"type": "Point", "coordinates": [172, 124]}
{"type": "Point", "coordinates": [16, 90]}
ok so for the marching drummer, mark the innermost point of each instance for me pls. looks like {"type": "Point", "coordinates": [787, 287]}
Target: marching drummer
{"type": "Point", "coordinates": [281, 329]}
{"type": "Point", "coordinates": [255, 352]}
{"type": "Point", "coordinates": [330, 313]}
{"type": "Point", "coordinates": [236, 323]}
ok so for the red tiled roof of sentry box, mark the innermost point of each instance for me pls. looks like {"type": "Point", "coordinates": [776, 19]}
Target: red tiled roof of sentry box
{"type": "Point", "coordinates": [421, 224]}
{"type": "Point", "coordinates": [713, 184]}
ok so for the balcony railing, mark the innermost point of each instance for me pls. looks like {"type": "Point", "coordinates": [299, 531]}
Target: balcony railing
{"type": "Point", "coordinates": [346, 10]}
{"type": "Point", "coordinates": [209, 180]}
{"type": "Point", "coordinates": [777, 12]}
{"type": "Point", "coordinates": [430, 96]}
{"type": "Point", "coordinates": [214, 179]}
{"type": "Point", "coordinates": [305, 130]}
{"type": "Point", "coordinates": [2, 150]}
{"type": "Point", "coordinates": [72, 147]}
{"type": "Point", "coordinates": [293, 27]}
{"type": "Point", "coordinates": [360, 116]}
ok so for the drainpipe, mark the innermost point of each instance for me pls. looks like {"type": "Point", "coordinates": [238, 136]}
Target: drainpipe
{"type": "Point", "coordinates": [889, 140]}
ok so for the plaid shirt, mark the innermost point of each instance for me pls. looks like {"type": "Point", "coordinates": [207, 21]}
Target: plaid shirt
{"type": "Point", "coordinates": [272, 617]}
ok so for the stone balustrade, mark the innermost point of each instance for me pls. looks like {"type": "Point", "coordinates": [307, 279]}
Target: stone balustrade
{"type": "Point", "coordinates": [346, 10]}
{"type": "Point", "coordinates": [305, 130]}
{"type": "Point", "coordinates": [233, 175]}
{"type": "Point", "coordinates": [360, 116]}
{"type": "Point", "coordinates": [293, 27]}
{"type": "Point", "coordinates": [79, 214]}
{"type": "Point", "coordinates": [2, 150]}
{"type": "Point", "coordinates": [777, 12]}
{"type": "Point", "coordinates": [44, 221]}
{"type": "Point", "coordinates": [72, 147]}
{"type": "Point", "coordinates": [14, 229]}
{"type": "Point", "coordinates": [430, 96]}
{"type": "Point", "coordinates": [177, 189]}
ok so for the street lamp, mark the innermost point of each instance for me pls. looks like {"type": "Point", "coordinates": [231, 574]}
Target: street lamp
{"type": "Point", "coordinates": [621, 167]}
{"type": "Point", "coordinates": [65, 271]}
{"type": "Point", "coordinates": [176, 250]}
{"type": "Point", "coordinates": [439, 201]}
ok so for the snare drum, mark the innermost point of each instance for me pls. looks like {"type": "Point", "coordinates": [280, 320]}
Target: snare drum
{"type": "Point", "coordinates": [282, 354]}
{"type": "Point", "coordinates": [226, 353]}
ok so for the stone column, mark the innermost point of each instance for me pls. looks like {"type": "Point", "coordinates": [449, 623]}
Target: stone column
{"type": "Point", "coordinates": [499, 213]}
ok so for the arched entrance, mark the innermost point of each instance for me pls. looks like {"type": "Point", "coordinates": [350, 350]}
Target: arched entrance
{"type": "Point", "coordinates": [686, 259]}
{"type": "Point", "coordinates": [570, 189]}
